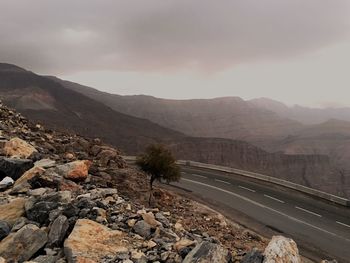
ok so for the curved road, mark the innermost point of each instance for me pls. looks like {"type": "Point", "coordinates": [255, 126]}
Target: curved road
{"type": "Point", "coordinates": [315, 224]}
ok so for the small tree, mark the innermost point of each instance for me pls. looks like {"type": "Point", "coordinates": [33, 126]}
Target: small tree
{"type": "Point", "coordinates": [159, 163]}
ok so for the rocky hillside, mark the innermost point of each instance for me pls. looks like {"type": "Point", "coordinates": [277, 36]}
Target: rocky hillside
{"type": "Point", "coordinates": [230, 117]}
{"type": "Point", "coordinates": [44, 100]}
{"type": "Point", "coordinates": [263, 122]}
{"type": "Point", "coordinates": [65, 198]}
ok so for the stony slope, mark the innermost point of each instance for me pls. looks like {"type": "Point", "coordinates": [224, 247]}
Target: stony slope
{"type": "Point", "coordinates": [64, 198]}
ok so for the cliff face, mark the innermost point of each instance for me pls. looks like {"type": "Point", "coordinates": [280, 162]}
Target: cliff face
{"type": "Point", "coordinates": [314, 171]}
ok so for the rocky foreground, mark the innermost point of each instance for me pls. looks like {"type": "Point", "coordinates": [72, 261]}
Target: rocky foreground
{"type": "Point", "coordinates": [64, 198]}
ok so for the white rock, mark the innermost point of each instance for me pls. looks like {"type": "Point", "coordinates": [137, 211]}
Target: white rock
{"type": "Point", "coordinates": [281, 250]}
{"type": "Point", "coordinates": [7, 181]}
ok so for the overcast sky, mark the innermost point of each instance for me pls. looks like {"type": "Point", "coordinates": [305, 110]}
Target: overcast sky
{"type": "Point", "coordinates": [296, 51]}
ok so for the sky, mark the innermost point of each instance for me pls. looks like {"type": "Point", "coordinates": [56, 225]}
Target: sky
{"type": "Point", "coordinates": [295, 51]}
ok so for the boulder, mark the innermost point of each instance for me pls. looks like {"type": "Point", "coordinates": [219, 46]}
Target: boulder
{"type": "Point", "coordinates": [2, 260]}
{"type": "Point", "coordinates": [4, 229]}
{"type": "Point", "coordinates": [22, 245]}
{"type": "Point", "coordinates": [149, 219]}
{"type": "Point", "coordinates": [45, 163]}
{"type": "Point", "coordinates": [6, 183]}
{"type": "Point", "coordinates": [12, 211]}
{"type": "Point", "coordinates": [253, 256]}
{"type": "Point", "coordinates": [206, 252]}
{"type": "Point", "coordinates": [75, 171]}
{"type": "Point", "coordinates": [14, 168]}
{"type": "Point", "coordinates": [58, 231]}
{"type": "Point", "coordinates": [22, 185]}
{"type": "Point", "coordinates": [38, 209]}
{"type": "Point", "coordinates": [91, 242]}
{"type": "Point", "coordinates": [280, 250]}
{"type": "Point", "coordinates": [143, 228]}
{"type": "Point", "coordinates": [18, 148]}
{"type": "Point", "coordinates": [183, 243]}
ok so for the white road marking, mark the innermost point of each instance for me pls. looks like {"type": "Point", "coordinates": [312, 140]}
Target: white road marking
{"type": "Point", "coordinates": [308, 211]}
{"type": "Point", "coordinates": [269, 208]}
{"type": "Point", "coordinates": [201, 176]}
{"type": "Point", "coordinates": [274, 198]}
{"type": "Point", "coordinates": [221, 181]}
{"type": "Point", "coordinates": [246, 188]}
{"type": "Point", "coordinates": [343, 224]}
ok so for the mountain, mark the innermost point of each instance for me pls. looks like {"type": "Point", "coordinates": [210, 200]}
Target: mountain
{"type": "Point", "coordinates": [305, 115]}
{"type": "Point", "coordinates": [45, 100]}
{"type": "Point", "coordinates": [233, 117]}
{"type": "Point", "coordinates": [229, 117]}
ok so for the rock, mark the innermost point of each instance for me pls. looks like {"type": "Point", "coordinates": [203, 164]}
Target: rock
{"type": "Point", "coordinates": [142, 228]}
{"type": "Point", "coordinates": [14, 168]}
{"type": "Point", "coordinates": [206, 252]}
{"type": "Point", "coordinates": [75, 171]}
{"type": "Point", "coordinates": [131, 222]}
{"type": "Point", "coordinates": [45, 163]}
{"type": "Point", "coordinates": [39, 212]}
{"type": "Point", "coordinates": [22, 185]}
{"type": "Point", "coordinates": [150, 244]}
{"type": "Point", "coordinates": [162, 219]}
{"type": "Point", "coordinates": [22, 245]}
{"type": "Point", "coordinates": [45, 259]}
{"type": "Point", "coordinates": [58, 231]}
{"type": "Point", "coordinates": [12, 211]}
{"type": "Point", "coordinates": [4, 229]}
{"type": "Point", "coordinates": [91, 242]}
{"type": "Point", "coordinates": [6, 183]}
{"type": "Point", "coordinates": [38, 209]}
{"type": "Point", "coordinates": [16, 147]}
{"type": "Point", "coordinates": [107, 155]}
{"type": "Point", "coordinates": [253, 256]}
{"type": "Point", "coordinates": [149, 219]}
{"type": "Point", "coordinates": [183, 243]}
{"type": "Point", "coordinates": [281, 249]}
{"type": "Point", "coordinates": [138, 257]}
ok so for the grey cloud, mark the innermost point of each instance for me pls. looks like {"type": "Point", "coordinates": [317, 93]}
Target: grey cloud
{"type": "Point", "coordinates": [154, 35]}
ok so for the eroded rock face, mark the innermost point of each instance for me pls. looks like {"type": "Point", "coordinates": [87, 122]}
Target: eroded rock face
{"type": "Point", "coordinates": [206, 252]}
{"type": "Point", "coordinates": [22, 245]}
{"type": "Point", "coordinates": [281, 250]}
{"type": "Point", "coordinates": [91, 242]}
{"type": "Point", "coordinates": [75, 171]}
{"type": "Point", "coordinates": [12, 211]}
{"type": "Point", "coordinates": [18, 148]}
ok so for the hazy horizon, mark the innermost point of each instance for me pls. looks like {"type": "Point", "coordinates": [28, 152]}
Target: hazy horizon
{"type": "Point", "coordinates": [187, 50]}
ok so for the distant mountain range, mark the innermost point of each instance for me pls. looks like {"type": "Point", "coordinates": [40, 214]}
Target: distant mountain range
{"type": "Point", "coordinates": [264, 122]}
{"type": "Point", "coordinates": [209, 131]}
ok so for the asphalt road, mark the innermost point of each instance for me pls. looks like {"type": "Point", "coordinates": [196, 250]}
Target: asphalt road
{"type": "Point", "coordinates": [318, 225]}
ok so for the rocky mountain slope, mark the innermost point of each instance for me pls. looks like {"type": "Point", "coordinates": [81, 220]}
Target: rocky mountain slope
{"type": "Point", "coordinates": [261, 122]}
{"type": "Point", "coordinates": [64, 198]}
{"type": "Point", "coordinates": [63, 107]}
{"type": "Point", "coordinates": [302, 114]}
{"type": "Point", "coordinates": [44, 100]}
{"type": "Point", "coordinates": [230, 117]}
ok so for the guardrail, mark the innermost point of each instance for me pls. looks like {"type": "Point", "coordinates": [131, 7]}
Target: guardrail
{"type": "Point", "coordinates": [330, 197]}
